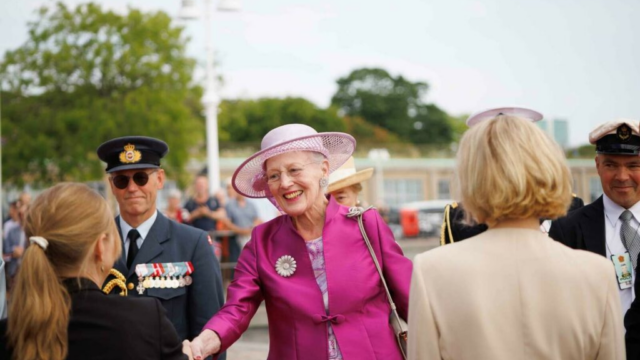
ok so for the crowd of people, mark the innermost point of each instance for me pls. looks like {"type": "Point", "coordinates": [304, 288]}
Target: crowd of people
{"type": "Point", "coordinates": [329, 271]}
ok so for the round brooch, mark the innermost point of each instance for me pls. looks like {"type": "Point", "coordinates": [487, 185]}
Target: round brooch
{"type": "Point", "coordinates": [285, 266]}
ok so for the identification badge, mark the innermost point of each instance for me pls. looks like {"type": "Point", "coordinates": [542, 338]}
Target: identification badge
{"type": "Point", "coordinates": [624, 268]}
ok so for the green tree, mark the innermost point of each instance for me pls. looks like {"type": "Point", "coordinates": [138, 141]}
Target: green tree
{"type": "Point", "coordinates": [86, 75]}
{"type": "Point", "coordinates": [250, 120]}
{"type": "Point", "coordinates": [393, 103]}
{"type": "Point", "coordinates": [586, 151]}
{"type": "Point", "coordinates": [458, 126]}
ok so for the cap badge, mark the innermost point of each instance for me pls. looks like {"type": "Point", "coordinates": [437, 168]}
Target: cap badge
{"type": "Point", "coordinates": [130, 155]}
{"type": "Point", "coordinates": [623, 132]}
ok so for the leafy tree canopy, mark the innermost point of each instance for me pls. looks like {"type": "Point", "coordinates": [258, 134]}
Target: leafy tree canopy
{"type": "Point", "coordinates": [393, 103]}
{"type": "Point", "coordinates": [86, 75]}
{"type": "Point", "coordinates": [250, 120]}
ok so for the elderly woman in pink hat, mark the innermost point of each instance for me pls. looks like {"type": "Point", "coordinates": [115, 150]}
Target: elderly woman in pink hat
{"type": "Point", "coordinates": [311, 266]}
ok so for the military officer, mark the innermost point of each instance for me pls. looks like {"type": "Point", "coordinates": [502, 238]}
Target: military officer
{"type": "Point", "coordinates": [454, 227]}
{"type": "Point", "coordinates": [161, 258]}
{"type": "Point", "coordinates": [609, 225]}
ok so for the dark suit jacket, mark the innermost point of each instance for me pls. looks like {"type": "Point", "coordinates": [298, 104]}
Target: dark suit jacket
{"type": "Point", "coordinates": [632, 324]}
{"type": "Point", "coordinates": [190, 307]}
{"type": "Point", "coordinates": [582, 228]}
{"type": "Point", "coordinates": [113, 327]}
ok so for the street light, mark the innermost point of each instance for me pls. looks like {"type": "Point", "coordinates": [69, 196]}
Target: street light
{"type": "Point", "coordinates": [210, 99]}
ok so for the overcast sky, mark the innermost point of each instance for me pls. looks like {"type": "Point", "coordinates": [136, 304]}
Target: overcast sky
{"type": "Point", "coordinates": [569, 59]}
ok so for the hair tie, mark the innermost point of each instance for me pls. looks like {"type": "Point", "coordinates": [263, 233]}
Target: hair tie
{"type": "Point", "coordinates": [42, 242]}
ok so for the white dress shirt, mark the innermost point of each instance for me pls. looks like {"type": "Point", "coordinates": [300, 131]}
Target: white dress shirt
{"type": "Point", "coordinates": [143, 230]}
{"type": "Point", "coordinates": [614, 245]}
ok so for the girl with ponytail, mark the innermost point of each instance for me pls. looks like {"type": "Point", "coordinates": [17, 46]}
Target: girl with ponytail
{"type": "Point", "coordinates": [57, 310]}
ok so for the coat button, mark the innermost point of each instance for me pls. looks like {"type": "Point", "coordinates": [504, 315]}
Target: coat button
{"type": "Point", "coordinates": [130, 286]}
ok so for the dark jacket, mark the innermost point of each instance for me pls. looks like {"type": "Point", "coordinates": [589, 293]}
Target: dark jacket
{"type": "Point", "coordinates": [189, 307]}
{"type": "Point", "coordinates": [632, 324]}
{"type": "Point", "coordinates": [582, 229]}
{"type": "Point", "coordinates": [454, 228]}
{"type": "Point", "coordinates": [113, 327]}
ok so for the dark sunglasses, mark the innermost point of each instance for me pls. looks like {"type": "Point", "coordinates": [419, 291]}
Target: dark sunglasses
{"type": "Point", "coordinates": [141, 178]}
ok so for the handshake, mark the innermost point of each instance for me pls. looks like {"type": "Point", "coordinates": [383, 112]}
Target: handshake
{"type": "Point", "coordinates": [205, 344]}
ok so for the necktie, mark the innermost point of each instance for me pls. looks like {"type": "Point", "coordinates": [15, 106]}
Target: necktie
{"type": "Point", "coordinates": [628, 235]}
{"type": "Point", "coordinates": [133, 246]}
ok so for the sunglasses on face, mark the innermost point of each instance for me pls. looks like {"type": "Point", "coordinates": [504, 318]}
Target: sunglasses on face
{"type": "Point", "coordinates": [141, 178]}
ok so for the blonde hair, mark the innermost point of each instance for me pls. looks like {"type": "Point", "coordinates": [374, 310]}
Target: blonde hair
{"type": "Point", "coordinates": [508, 168]}
{"type": "Point", "coordinates": [71, 217]}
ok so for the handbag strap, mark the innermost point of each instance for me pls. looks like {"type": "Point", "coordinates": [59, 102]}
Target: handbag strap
{"type": "Point", "coordinates": [357, 211]}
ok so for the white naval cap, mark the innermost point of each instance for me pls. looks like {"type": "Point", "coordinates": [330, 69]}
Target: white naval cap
{"type": "Point", "coordinates": [511, 111]}
{"type": "Point", "coordinates": [617, 137]}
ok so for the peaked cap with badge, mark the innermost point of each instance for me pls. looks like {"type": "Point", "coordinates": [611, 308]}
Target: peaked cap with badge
{"type": "Point", "coordinates": [132, 152]}
{"type": "Point", "coordinates": [618, 137]}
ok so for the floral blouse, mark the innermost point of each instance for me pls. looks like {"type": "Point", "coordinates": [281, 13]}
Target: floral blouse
{"type": "Point", "coordinates": [316, 255]}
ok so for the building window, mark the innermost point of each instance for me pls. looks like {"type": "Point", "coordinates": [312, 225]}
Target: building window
{"type": "Point", "coordinates": [444, 192]}
{"type": "Point", "coordinates": [595, 188]}
{"type": "Point", "coordinates": [398, 192]}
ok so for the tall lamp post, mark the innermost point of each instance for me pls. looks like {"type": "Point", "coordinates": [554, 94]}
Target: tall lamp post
{"type": "Point", "coordinates": [210, 99]}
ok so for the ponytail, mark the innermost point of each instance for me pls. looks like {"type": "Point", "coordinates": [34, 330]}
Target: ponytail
{"type": "Point", "coordinates": [63, 226]}
{"type": "Point", "coordinates": [39, 310]}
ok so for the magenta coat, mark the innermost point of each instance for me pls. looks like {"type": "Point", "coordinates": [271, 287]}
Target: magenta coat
{"type": "Point", "coordinates": [359, 311]}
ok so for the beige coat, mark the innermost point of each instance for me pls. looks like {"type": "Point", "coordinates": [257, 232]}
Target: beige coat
{"type": "Point", "coordinates": [514, 294]}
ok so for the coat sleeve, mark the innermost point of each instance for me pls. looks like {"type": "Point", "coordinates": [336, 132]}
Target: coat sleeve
{"type": "Point", "coordinates": [612, 340]}
{"type": "Point", "coordinates": [423, 331]}
{"type": "Point", "coordinates": [244, 295]}
{"type": "Point", "coordinates": [170, 344]}
{"type": "Point", "coordinates": [205, 293]}
{"type": "Point", "coordinates": [395, 266]}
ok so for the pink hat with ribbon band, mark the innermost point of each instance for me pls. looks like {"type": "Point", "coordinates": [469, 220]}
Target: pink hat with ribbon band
{"type": "Point", "coordinates": [250, 180]}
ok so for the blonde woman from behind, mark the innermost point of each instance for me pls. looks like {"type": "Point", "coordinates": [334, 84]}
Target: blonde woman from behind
{"type": "Point", "coordinates": [512, 292]}
{"type": "Point", "coordinates": [57, 309]}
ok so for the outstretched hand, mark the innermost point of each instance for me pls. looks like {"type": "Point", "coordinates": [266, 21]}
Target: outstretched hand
{"type": "Point", "coordinates": [186, 349]}
{"type": "Point", "coordinates": [205, 344]}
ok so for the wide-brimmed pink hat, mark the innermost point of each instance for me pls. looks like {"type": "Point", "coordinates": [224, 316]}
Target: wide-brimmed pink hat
{"type": "Point", "coordinates": [250, 180]}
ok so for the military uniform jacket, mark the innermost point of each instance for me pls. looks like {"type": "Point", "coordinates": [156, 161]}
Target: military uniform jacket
{"type": "Point", "coordinates": [582, 229]}
{"type": "Point", "coordinates": [105, 327]}
{"type": "Point", "coordinates": [453, 226]}
{"type": "Point", "coordinates": [189, 307]}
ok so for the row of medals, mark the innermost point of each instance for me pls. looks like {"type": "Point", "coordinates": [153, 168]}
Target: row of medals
{"type": "Point", "coordinates": [162, 282]}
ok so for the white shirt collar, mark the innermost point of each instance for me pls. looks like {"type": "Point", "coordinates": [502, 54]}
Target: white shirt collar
{"type": "Point", "coordinates": [143, 229]}
{"type": "Point", "coordinates": [613, 210]}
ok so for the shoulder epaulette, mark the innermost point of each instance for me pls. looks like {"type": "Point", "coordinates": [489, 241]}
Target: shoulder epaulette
{"type": "Point", "coordinates": [446, 224]}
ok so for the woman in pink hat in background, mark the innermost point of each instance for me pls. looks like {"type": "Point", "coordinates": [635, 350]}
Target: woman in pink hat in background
{"type": "Point", "coordinates": [311, 266]}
